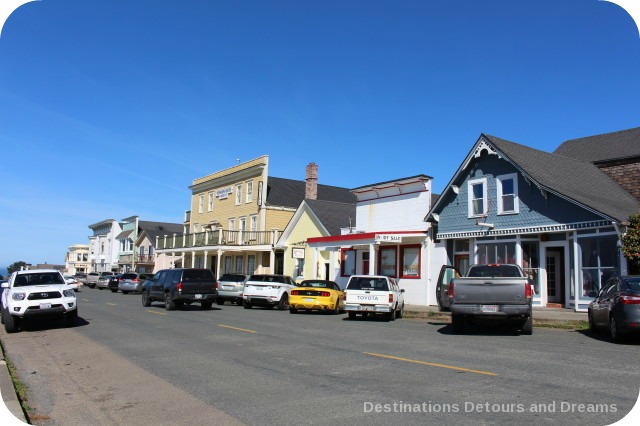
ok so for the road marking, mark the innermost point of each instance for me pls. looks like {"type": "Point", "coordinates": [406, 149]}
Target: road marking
{"type": "Point", "coordinates": [451, 367]}
{"type": "Point", "coordinates": [154, 312]}
{"type": "Point", "coordinates": [85, 300]}
{"type": "Point", "coordinates": [112, 304]}
{"type": "Point", "coordinates": [236, 328]}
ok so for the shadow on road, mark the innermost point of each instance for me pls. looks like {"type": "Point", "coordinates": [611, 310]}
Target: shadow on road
{"type": "Point", "coordinates": [42, 324]}
{"type": "Point", "coordinates": [603, 336]}
{"type": "Point", "coordinates": [483, 329]}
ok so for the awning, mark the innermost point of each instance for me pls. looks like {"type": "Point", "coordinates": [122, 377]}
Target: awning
{"type": "Point", "coordinates": [124, 234]}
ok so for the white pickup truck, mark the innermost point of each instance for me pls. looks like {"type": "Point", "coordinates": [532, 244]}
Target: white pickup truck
{"type": "Point", "coordinates": [36, 294]}
{"type": "Point", "coordinates": [373, 294]}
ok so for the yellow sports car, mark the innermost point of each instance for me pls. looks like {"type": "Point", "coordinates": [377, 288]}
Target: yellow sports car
{"type": "Point", "coordinates": [322, 295]}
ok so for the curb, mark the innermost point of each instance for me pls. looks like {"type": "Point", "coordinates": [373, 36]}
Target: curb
{"type": "Point", "coordinates": [9, 397]}
{"type": "Point", "coordinates": [540, 322]}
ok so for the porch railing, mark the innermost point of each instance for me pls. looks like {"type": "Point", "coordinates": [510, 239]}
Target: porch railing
{"type": "Point", "coordinates": [219, 237]}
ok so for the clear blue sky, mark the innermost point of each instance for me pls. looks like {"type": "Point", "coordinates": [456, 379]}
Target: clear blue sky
{"type": "Point", "coordinates": [111, 108]}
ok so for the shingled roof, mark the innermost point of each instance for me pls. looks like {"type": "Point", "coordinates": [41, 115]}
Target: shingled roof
{"type": "Point", "coordinates": [605, 147]}
{"type": "Point", "coordinates": [159, 229]}
{"type": "Point", "coordinates": [572, 178]}
{"type": "Point", "coordinates": [333, 215]}
{"type": "Point", "coordinates": [290, 193]}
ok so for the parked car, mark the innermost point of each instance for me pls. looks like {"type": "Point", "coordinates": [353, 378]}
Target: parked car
{"type": "Point", "coordinates": [103, 281]}
{"type": "Point", "coordinates": [319, 295]}
{"type": "Point", "coordinates": [373, 294]}
{"type": "Point", "coordinates": [617, 307]}
{"type": "Point", "coordinates": [231, 287]}
{"type": "Point", "coordinates": [114, 282]}
{"type": "Point", "coordinates": [71, 282]}
{"type": "Point", "coordinates": [92, 279]}
{"type": "Point", "coordinates": [176, 287]}
{"type": "Point", "coordinates": [2, 291]}
{"type": "Point", "coordinates": [268, 291]}
{"type": "Point", "coordinates": [81, 277]}
{"type": "Point", "coordinates": [37, 293]}
{"type": "Point", "coordinates": [494, 292]}
{"type": "Point", "coordinates": [132, 282]}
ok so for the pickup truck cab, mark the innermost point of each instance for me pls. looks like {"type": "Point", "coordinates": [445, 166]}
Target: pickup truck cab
{"type": "Point", "coordinates": [496, 292]}
{"type": "Point", "coordinates": [268, 291]}
{"type": "Point", "coordinates": [373, 294]}
{"type": "Point", "coordinates": [176, 287]}
{"type": "Point", "coordinates": [38, 293]}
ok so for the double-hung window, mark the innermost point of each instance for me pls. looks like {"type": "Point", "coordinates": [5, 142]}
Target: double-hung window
{"type": "Point", "coordinates": [477, 197]}
{"type": "Point", "coordinates": [201, 204]}
{"type": "Point", "coordinates": [211, 197]}
{"type": "Point", "coordinates": [507, 194]}
{"type": "Point", "coordinates": [249, 196]}
{"type": "Point", "coordinates": [238, 194]}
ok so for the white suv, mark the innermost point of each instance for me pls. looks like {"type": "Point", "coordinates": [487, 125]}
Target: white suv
{"type": "Point", "coordinates": [371, 294]}
{"type": "Point", "coordinates": [268, 290]}
{"type": "Point", "coordinates": [35, 294]}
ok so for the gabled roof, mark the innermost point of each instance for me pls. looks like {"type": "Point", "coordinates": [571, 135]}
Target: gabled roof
{"type": "Point", "coordinates": [333, 215]}
{"type": "Point", "coordinates": [575, 180]}
{"type": "Point", "coordinates": [159, 229]}
{"type": "Point", "coordinates": [290, 193]}
{"type": "Point", "coordinates": [607, 146]}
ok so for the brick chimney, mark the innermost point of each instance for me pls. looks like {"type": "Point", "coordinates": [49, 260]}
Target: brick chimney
{"type": "Point", "coordinates": [311, 189]}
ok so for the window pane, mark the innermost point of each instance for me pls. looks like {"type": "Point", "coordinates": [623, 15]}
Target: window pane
{"type": "Point", "coordinates": [478, 207]}
{"type": "Point", "coordinates": [508, 203]}
{"type": "Point", "coordinates": [411, 262]}
{"type": "Point", "coordinates": [349, 262]}
{"type": "Point", "coordinates": [388, 262]}
{"type": "Point", "coordinates": [478, 190]}
{"type": "Point", "coordinates": [507, 186]}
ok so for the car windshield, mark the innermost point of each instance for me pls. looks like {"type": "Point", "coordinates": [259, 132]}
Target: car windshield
{"type": "Point", "coordinates": [368, 283]}
{"type": "Point", "coordinates": [494, 271]}
{"type": "Point", "coordinates": [44, 278]}
{"type": "Point", "coordinates": [233, 277]}
{"type": "Point", "coordinates": [633, 284]}
{"type": "Point", "coordinates": [316, 284]}
{"type": "Point", "coordinates": [129, 276]}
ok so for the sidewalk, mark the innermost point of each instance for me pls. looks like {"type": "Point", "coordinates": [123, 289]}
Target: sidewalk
{"type": "Point", "coordinates": [9, 397]}
{"type": "Point", "coordinates": [546, 315]}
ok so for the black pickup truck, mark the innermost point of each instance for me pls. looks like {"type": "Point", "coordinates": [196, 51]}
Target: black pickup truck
{"type": "Point", "coordinates": [175, 287]}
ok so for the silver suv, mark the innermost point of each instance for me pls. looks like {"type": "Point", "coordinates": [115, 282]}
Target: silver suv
{"type": "Point", "coordinates": [231, 287]}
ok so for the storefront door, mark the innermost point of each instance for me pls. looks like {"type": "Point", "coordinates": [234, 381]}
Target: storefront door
{"type": "Point", "coordinates": [555, 281]}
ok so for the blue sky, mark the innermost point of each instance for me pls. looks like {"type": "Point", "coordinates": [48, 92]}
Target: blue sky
{"type": "Point", "coordinates": [111, 108]}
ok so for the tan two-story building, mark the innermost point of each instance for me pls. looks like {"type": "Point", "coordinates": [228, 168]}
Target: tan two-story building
{"type": "Point", "coordinates": [237, 215]}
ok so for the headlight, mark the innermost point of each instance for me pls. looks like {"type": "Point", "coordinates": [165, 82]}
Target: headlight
{"type": "Point", "coordinates": [69, 293]}
{"type": "Point", "coordinates": [18, 296]}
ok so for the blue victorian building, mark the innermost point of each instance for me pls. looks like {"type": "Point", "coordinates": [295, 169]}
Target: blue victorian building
{"type": "Point", "coordinates": [558, 215]}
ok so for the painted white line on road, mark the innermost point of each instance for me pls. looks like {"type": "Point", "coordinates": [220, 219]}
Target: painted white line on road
{"type": "Point", "coordinates": [85, 300]}
{"type": "Point", "coordinates": [236, 328]}
{"type": "Point", "coordinates": [112, 304]}
{"type": "Point", "coordinates": [431, 364]}
{"type": "Point", "coordinates": [154, 312]}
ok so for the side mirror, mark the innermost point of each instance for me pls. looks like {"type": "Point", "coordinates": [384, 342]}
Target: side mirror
{"type": "Point", "coordinates": [402, 290]}
{"type": "Point", "coordinates": [5, 285]}
{"type": "Point", "coordinates": [592, 294]}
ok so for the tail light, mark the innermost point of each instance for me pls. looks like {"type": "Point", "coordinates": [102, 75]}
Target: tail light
{"type": "Point", "coordinates": [135, 280]}
{"type": "Point", "coordinates": [344, 293]}
{"type": "Point", "coordinates": [528, 291]}
{"type": "Point", "coordinates": [215, 285]}
{"type": "Point", "coordinates": [628, 299]}
{"type": "Point", "coordinates": [179, 286]}
{"type": "Point", "coordinates": [391, 298]}
{"type": "Point", "coordinates": [294, 292]}
{"type": "Point", "coordinates": [325, 294]}
{"type": "Point", "coordinates": [450, 292]}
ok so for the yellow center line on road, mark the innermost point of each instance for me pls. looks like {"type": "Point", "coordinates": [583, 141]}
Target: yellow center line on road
{"type": "Point", "coordinates": [112, 304]}
{"type": "Point", "coordinates": [236, 328]}
{"type": "Point", "coordinates": [431, 364]}
{"type": "Point", "coordinates": [154, 312]}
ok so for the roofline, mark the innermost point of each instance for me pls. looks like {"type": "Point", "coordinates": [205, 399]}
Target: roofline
{"type": "Point", "coordinates": [110, 221]}
{"type": "Point", "coordinates": [362, 236]}
{"type": "Point", "coordinates": [372, 185]}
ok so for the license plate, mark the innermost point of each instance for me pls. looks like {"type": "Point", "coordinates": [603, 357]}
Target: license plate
{"type": "Point", "coordinates": [367, 308]}
{"type": "Point", "coordinates": [198, 296]}
{"type": "Point", "coordinates": [489, 308]}
{"type": "Point", "coordinates": [45, 306]}
{"type": "Point", "coordinates": [309, 300]}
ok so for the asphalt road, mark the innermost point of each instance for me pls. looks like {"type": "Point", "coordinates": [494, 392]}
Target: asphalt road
{"type": "Point", "coordinates": [127, 364]}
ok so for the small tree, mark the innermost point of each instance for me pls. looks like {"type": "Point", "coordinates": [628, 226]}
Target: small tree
{"type": "Point", "coordinates": [631, 242]}
{"type": "Point", "coordinates": [15, 266]}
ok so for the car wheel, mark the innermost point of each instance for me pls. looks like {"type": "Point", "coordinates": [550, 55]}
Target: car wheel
{"type": "Point", "coordinates": [592, 324]}
{"type": "Point", "coordinates": [527, 326]}
{"type": "Point", "coordinates": [125, 292]}
{"type": "Point", "coordinates": [391, 316]}
{"type": "Point", "coordinates": [146, 302]}
{"type": "Point", "coordinates": [401, 311]}
{"type": "Point", "coordinates": [352, 315]}
{"type": "Point", "coordinates": [336, 310]}
{"type": "Point", "coordinates": [220, 302]}
{"type": "Point", "coordinates": [457, 322]}
{"type": "Point", "coordinates": [99, 288]}
{"type": "Point", "coordinates": [614, 330]}
{"type": "Point", "coordinates": [72, 317]}
{"type": "Point", "coordinates": [247, 305]}
{"type": "Point", "coordinates": [206, 305]}
{"type": "Point", "coordinates": [283, 304]}
{"type": "Point", "coordinates": [169, 304]}
{"type": "Point", "coordinates": [11, 323]}
{"type": "Point", "coordinates": [2, 316]}
{"type": "Point", "coordinates": [293, 311]}
{"type": "Point", "coordinates": [113, 290]}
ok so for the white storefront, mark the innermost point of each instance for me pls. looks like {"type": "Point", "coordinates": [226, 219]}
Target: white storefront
{"type": "Point", "coordinates": [389, 237]}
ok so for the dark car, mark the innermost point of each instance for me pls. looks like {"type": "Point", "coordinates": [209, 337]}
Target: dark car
{"type": "Point", "coordinates": [114, 281]}
{"type": "Point", "coordinates": [176, 287]}
{"type": "Point", "coordinates": [617, 307]}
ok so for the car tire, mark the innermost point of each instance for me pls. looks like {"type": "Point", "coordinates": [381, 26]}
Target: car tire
{"type": "Point", "coordinates": [401, 311]}
{"type": "Point", "coordinates": [72, 317]}
{"type": "Point", "coordinates": [592, 325]}
{"type": "Point", "coordinates": [146, 301]}
{"type": "Point", "coordinates": [336, 310]}
{"type": "Point", "coordinates": [125, 292]}
{"type": "Point", "coordinates": [115, 291]}
{"type": "Point", "coordinates": [293, 311]}
{"type": "Point", "coordinates": [352, 315]}
{"type": "Point", "coordinates": [247, 305]}
{"type": "Point", "coordinates": [2, 316]}
{"type": "Point", "coordinates": [169, 304]}
{"type": "Point", "coordinates": [391, 316]}
{"type": "Point", "coordinates": [206, 306]}
{"type": "Point", "coordinates": [220, 302]}
{"type": "Point", "coordinates": [283, 304]}
{"type": "Point", "coordinates": [457, 323]}
{"type": "Point", "coordinates": [614, 330]}
{"type": "Point", "coordinates": [99, 288]}
{"type": "Point", "coordinates": [11, 323]}
{"type": "Point", "coordinates": [527, 326]}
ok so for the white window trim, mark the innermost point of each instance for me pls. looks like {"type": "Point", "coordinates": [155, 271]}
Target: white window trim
{"type": "Point", "coordinates": [238, 194]}
{"type": "Point", "coordinates": [212, 196]}
{"type": "Point", "coordinates": [201, 203]}
{"type": "Point", "coordinates": [472, 182]}
{"type": "Point", "coordinates": [516, 200]}
{"type": "Point", "coordinates": [249, 196]}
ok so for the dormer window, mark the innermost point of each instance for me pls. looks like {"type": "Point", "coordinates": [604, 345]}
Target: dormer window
{"type": "Point", "coordinates": [477, 197]}
{"type": "Point", "coordinates": [507, 187]}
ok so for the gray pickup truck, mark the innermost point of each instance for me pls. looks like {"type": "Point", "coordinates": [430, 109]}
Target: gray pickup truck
{"type": "Point", "coordinates": [496, 292]}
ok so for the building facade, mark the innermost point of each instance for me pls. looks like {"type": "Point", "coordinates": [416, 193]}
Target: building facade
{"type": "Point", "coordinates": [77, 259]}
{"type": "Point", "coordinates": [103, 246]}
